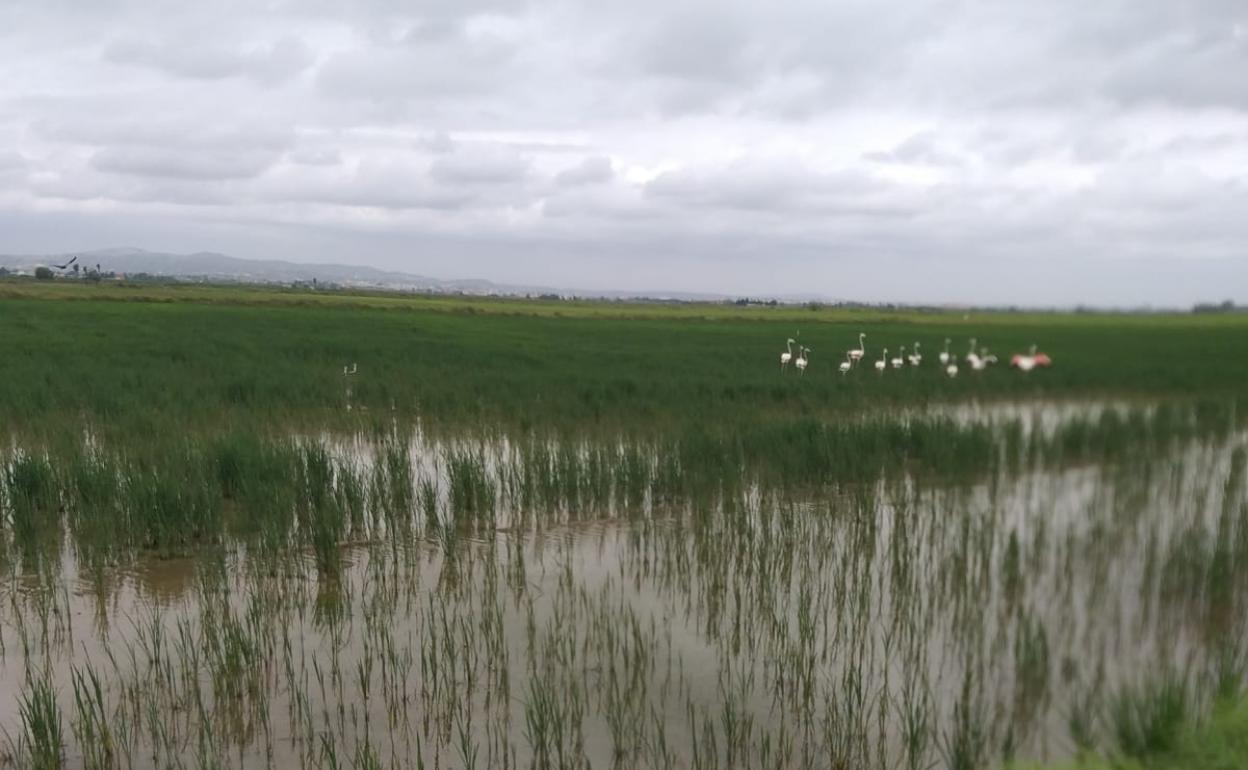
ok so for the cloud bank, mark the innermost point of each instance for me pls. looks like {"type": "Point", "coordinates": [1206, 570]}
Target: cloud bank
{"type": "Point", "coordinates": [925, 151]}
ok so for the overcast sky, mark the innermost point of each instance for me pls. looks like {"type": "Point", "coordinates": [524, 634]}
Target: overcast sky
{"type": "Point", "coordinates": [1065, 151]}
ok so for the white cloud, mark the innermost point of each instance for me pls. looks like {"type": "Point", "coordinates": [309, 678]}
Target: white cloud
{"type": "Point", "coordinates": [885, 149]}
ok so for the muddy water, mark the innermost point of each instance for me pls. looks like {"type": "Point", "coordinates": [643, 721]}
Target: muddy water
{"type": "Point", "coordinates": [898, 624]}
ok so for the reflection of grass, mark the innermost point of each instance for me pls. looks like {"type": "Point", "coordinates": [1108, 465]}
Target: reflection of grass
{"type": "Point", "coordinates": [1221, 743]}
{"type": "Point", "coordinates": [1147, 721]}
{"type": "Point", "coordinates": [909, 622]}
{"type": "Point", "coordinates": [175, 494]}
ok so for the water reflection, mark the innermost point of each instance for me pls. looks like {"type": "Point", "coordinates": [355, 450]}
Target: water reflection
{"type": "Point", "coordinates": [898, 622]}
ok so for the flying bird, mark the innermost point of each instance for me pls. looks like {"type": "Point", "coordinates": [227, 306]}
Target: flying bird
{"type": "Point", "coordinates": [67, 264]}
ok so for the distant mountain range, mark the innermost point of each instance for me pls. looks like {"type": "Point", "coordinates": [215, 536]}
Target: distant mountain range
{"type": "Point", "coordinates": [205, 265]}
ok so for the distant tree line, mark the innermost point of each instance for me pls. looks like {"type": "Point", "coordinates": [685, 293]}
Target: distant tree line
{"type": "Point", "coordinates": [45, 273]}
{"type": "Point", "coordinates": [1226, 306]}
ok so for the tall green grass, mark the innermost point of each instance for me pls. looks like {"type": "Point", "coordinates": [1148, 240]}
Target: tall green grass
{"type": "Point", "coordinates": [41, 745]}
{"type": "Point", "coordinates": [141, 368]}
{"type": "Point", "coordinates": [177, 495]}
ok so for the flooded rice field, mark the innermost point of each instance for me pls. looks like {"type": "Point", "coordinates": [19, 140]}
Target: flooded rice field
{"type": "Point", "coordinates": [948, 592]}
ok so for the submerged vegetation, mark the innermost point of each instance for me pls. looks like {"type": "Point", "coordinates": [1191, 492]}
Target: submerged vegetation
{"type": "Point", "coordinates": [619, 538]}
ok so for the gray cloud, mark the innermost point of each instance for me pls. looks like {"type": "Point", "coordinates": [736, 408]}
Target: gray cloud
{"type": "Point", "coordinates": [11, 161]}
{"type": "Point", "coordinates": [236, 164]}
{"type": "Point", "coordinates": [593, 170]}
{"type": "Point", "coordinates": [371, 184]}
{"type": "Point", "coordinates": [267, 64]}
{"type": "Point", "coordinates": [893, 148]}
{"type": "Point", "coordinates": [439, 142]}
{"type": "Point", "coordinates": [315, 157]}
{"type": "Point", "coordinates": [781, 189]}
{"type": "Point", "coordinates": [922, 149]}
{"type": "Point", "coordinates": [190, 133]}
{"type": "Point", "coordinates": [88, 186]}
{"type": "Point", "coordinates": [480, 165]}
{"type": "Point", "coordinates": [445, 67]}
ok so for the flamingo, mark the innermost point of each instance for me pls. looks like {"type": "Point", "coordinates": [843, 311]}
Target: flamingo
{"type": "Point", "coordinates": [916, 357]}
{"type": "Point", "coordinates": [952, 369]}
{"type": "Point", "coordinates": [847, 364]}
{"type": "Point", "coordinates": [354, 368]}
{"type": "Point", "coordinates": [883, 362]}
{"type": "Point", "coordinates": [986, 357]}
{"type": "Point", "coordinates": [787, 355]}
{"type": "Point", "coordinates": [972, 357]}
{"type": "Point", "coordinates": [944, 354]}
{"type": "Point", "coordinates": [857, 354]}
{"type": "Point", "coordinates": [800, 363]}
{"type": "Point", "coordinates": [900, 359]}
{"type": "Point", "coordinates": [1030, 361]}
{"type": "Point", "coordinates": [979, 362]}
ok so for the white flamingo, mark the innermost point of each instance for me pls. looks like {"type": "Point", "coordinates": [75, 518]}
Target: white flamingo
{"type": "Point", "coordinates": [801, 361]}
{"type": "Point", "coordinates": [883, 362]}
{"type": "Point", "coordinates": [900, 359]}
{"type": "Point", "coordinates": [787, 355]}
{"type": "Point", "coordinates": [952, 369]}
{"type": "Point", "coordinates": [972, 357]}
{"type": "Point", "coordinates": [916, 357]}
{"type": "Point", "coordinates": [986, 357]}
{"type": "Point", "coordinates": [857, 354]}
{"type": "Point", "coordinates": [354, 368]}
{"type": "Point", "coordinates": [944, 354]}
{"type": "Point", "coordinates": [847, 364]}
{"type": "Point", "coordinates": [980, 362]}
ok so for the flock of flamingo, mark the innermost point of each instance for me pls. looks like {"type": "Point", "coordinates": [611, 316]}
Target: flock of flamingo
{"type": "Point", "coordinates": [977, 358]}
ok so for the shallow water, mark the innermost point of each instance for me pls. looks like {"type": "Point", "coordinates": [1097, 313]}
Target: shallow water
{"type": "Point", "coordinates": [893, 623]}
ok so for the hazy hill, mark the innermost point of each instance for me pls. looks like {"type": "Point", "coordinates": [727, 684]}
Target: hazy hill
{"type": "Point", "coordinates": [221, 267]}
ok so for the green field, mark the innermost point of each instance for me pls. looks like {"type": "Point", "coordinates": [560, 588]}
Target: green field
{"type": "Point", "coordinates": [568, 534]}
{"type": "Point", "coordinates": [151, 357]}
